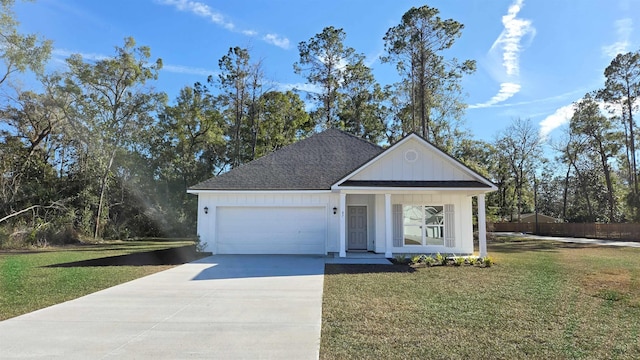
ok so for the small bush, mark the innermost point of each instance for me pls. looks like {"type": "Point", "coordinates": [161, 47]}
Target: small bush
{"type": "Point", "coordinates": [458, 261]}
{"type": "Point", "coordinates": [441, 259]}
{"type": "Point", "coordinates": [429, 260]}
{"type": "Point", "coordinates": [487, 261]}
{"type": "Point", "coordinates": [416, 259]}
{"type": "Point", "coordinates": [400, 259]}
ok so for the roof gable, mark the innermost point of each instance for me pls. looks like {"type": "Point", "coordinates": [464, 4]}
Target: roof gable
{"type": "Point", "coordinates": [314, 163]}
{"type": "Point", "coordinates": [415, 160]}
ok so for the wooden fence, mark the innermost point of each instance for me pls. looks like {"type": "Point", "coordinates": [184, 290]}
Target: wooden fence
{"type": "Point", "coordinates": [629, 232]}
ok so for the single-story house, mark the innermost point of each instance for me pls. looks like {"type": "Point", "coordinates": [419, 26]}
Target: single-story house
{"type": "Point", "coordinates": [336, 193]}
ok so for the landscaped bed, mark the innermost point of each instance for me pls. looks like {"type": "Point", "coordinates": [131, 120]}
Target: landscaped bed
{"type": "Point", "coordinates": [34, 279]}
{"type": "Point", "coordinates": [541, 299]}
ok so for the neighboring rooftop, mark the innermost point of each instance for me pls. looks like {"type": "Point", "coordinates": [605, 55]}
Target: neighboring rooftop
{"type": "Point", "coordinates": [314, 163]}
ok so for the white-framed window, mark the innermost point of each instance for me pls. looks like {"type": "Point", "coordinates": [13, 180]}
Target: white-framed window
{"type": "Point", "coordinates": [423, 225]}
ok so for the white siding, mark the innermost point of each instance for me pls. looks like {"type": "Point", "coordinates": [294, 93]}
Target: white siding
{"type": "Point", "coordinates": [429, 165]}
{"type": "Point", "coordinates": [207, 222]}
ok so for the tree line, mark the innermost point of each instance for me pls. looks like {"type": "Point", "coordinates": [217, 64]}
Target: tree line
{"type": "Point", "coordinates": [97, 151]}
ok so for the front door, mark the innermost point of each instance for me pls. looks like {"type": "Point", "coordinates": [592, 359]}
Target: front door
{"type": "Point", "coordinates": [357, 227]}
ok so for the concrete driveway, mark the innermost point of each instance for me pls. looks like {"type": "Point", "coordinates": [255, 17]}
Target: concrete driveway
{"type": "Point", "coordinates": [221, 307]}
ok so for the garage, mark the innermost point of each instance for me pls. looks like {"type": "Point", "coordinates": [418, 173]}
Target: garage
{"type": "Point", "coordinates": [271, 230]}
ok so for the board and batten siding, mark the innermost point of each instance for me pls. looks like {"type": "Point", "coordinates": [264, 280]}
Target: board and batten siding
{"type": "Point", "coordinates": [207, 222]}
{"type": "Point", "coordinates": [428, 165]}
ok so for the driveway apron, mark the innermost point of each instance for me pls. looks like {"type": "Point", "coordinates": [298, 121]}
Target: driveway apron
{"type": "Point", "coordinates": [220, 307]}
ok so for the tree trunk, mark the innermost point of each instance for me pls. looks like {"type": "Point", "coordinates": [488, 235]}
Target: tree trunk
{"type": "Point", "coordinates": [103, 188]}
{"type": "Point", "coordinates": [607, 177]}
{"type": "Point", "coordinates": [564, 193]}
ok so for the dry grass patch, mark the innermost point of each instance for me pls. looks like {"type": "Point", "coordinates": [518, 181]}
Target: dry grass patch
{"type": "Point", "coordinates": [538, 301]}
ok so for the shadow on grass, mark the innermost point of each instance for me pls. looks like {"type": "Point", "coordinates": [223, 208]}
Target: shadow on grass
{"type": "Point", "coordinates": [525, 245]}
{"type": "Point", "coordinates": [333, 269]}
{"type": "Point", "coordinates": [173, 256]}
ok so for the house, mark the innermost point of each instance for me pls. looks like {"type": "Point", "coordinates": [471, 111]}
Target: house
{"type": "Point", "coordinates": [337, 193]}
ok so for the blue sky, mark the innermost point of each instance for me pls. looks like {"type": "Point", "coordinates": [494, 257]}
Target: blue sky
{"type": "Point", "coordinates": [534, 57]}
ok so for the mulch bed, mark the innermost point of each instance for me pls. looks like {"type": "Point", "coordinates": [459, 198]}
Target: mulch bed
{"type": "Point", "coordinates": [330, 269]}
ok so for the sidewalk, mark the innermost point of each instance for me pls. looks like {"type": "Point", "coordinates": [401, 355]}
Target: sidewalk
{"type": "Point", "coordinates": [575, 240]}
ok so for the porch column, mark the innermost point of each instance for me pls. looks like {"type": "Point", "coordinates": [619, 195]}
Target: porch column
{"type": "Point", "coordinates": [482, 226]}
{"type": "Point", "coordinates": [343, 225]}
{"type": "Point", "coordinates": [388, 233]}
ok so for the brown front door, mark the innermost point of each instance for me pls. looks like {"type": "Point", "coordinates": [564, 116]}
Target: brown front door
{"type": "Point", "coordinates": [357, 227]}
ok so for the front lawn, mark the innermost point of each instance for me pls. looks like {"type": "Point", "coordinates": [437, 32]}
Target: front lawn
{"type": "Point", "coordinates": [540, 300]}
{"type": "Point", "coordinates": [32, 280]}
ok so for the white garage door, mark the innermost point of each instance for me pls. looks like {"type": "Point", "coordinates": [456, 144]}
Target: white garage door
{"type": "Point", "coordinates": [271, 230]}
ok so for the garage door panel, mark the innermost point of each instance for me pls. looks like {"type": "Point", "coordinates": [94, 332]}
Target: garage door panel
{"type": "Point", "coordinates": [271, 230]}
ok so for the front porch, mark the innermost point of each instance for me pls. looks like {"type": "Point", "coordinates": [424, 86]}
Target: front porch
{"type": "Point", "coordinates": [377, 222]}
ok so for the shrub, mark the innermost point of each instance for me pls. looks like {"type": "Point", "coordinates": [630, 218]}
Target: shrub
{"type": "Point", "coordinates": [458, 261]}
{"type": "Point", "coordinates": [416, 259]}
{"type": "Point", "coordinates": [488, 261]}
{"type": "Point", "coordinates": [400, 259]}
{"type": "Point", "coordinates": [429, 260]}
{"type": "Point", "coordinates": [441, 259]}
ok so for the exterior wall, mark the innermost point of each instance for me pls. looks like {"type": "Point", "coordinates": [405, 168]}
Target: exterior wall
{"type": "Point", "coordinates": [368, 201]}
{"type": "Point", "coordinates": [207, 222]}
{"type": "Point", "coordinates": [429, 165]}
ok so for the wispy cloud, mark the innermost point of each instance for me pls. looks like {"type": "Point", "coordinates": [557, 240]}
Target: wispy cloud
{"type": "Point", "coordinates": [624, 28]}
{"type": "Point", "coordinates": [509, 42]}
{"type": "Point", "coordinates": [88, 56]}
{"type": "Point", "coordinates": [189, 70]}
{"type": "Point", "coordinates": [276, 40]}
{"type": "Point", "coordinates": [303, 87]}
{"type": "Point", "coordinates": [200, 9]}
{"type": "Point", "coordinates": [560, 117]}
{"type": "Point", "coordinates": [506, 91]}
{"type": "Point", "coordinates": [205, 11]}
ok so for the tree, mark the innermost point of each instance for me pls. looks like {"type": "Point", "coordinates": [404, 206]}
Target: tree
{"type": "Point", "coordinates": [20, 52]}
{"type": "Point", "coordinates": [322, 61]}
{"type": "Point", "coordinates": [283, 120]}
{"type": "Point", "coordinates": [431, 81]}
{"type": "Point", "coordinates": [622, 87]}
{"type": "Point", "coordinates": [241, 84]}
{"type": "Point", "coordinates": [361, 110]}
{"type": "Point", "coordinates": [112, 105]}
{"type": "Point", "coordinates": [519, 145]}
{"type": "Point", "coordinates": [587, 120]}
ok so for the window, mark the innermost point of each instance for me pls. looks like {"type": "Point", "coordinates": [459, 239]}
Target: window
{"type": "Point", "coordinates": [423, 225]}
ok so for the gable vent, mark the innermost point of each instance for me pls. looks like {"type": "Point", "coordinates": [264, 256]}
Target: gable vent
{"type": "Point", "coordinates": [411, 155]}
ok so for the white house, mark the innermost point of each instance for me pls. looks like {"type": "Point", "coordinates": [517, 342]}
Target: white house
{"type": "Point", "coordinates": [337, 193]}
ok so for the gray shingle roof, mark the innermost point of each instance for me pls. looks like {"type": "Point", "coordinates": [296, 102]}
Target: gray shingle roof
{"type": "Point", "coordinates": [314, 163]}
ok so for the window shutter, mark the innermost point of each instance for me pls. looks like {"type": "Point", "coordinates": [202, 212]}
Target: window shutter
{"type": "Point", "coordinates": [449, 226]}
{"type": "Point", "coordinates": [397, 225]}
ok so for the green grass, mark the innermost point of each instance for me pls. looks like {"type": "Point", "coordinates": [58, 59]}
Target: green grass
{"type": "Point", "coordinates": [27, 284]}
{"type": "Point", "coordinates": [540, 300]}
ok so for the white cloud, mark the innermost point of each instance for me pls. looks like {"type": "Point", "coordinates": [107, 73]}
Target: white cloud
{"type": "Point", "coordinates": [509, 42]}
{"type": "Point", "coordinates": [200, 9]}
{"type": "Point", "coordinates": [304, 87]}
{"type": "Point", "coordinates": [506, 91]}
{"type": "Point", "coordinates": [87, 56]}
{"type": "Point", "coordinates": [203, 10]}
{"type": "Point", "coordinates": [276, 40]}
{"type": "Point", "coordinates": [560, 117]}
{"type": "Point", "coordinates": [624, 28]}
{"type": "Point", "coordinates": [180, 69]}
